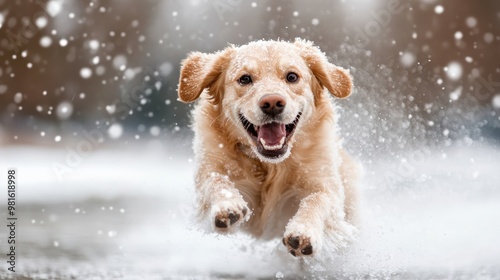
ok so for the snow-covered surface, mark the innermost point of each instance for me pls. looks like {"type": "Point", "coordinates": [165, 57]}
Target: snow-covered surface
{"type": "Point", "coordinates": [127, 213]}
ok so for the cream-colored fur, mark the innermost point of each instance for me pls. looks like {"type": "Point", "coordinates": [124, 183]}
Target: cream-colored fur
{"type": "Point", "coordinates": [304, 193]}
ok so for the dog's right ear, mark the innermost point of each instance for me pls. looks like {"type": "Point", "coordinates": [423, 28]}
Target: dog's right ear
{"type": "Point", "coordinates": [200, 71]}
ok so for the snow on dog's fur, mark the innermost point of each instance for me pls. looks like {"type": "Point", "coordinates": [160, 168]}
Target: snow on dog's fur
{"type": "Point", "coordinates": [269, 156]}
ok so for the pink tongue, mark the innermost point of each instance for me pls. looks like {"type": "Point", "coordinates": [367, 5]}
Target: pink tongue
{"type": "Point", "coordinates": [272, 133]}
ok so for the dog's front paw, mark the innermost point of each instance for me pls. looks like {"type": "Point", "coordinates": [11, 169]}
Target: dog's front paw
{"type": "Point", "coordinates": [302, 239]}
{"type": "Point", "coordinates": [298, 245]}
{"type": "Point", "coordinates": [229, 214]}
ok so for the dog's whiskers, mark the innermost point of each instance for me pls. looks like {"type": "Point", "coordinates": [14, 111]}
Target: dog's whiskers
{"type": "Point", "coordinates": [245, 122]}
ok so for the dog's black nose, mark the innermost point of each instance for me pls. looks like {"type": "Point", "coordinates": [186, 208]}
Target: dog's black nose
{"type": "Point", "coordinates": [272, 104]}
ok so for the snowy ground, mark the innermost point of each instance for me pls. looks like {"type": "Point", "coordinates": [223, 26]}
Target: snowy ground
{"type": "Point", "coordinates": [127, 214]}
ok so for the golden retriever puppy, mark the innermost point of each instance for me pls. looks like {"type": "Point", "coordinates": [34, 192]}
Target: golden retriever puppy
{"type": "Point", "coordinates": [269, 157]}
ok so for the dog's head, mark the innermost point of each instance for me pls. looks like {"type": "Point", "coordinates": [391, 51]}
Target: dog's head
{"type": "Point", "coordinates": [267, 90]}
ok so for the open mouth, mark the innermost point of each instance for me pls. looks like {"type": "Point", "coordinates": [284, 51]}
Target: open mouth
{"type": "Point", "coordinates": [271, 138]}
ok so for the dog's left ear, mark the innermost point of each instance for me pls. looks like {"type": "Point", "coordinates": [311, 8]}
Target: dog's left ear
{"type": "Point", "coordinates": [336, 79]}
{"type": "Point", "coordinates": [200, 71]}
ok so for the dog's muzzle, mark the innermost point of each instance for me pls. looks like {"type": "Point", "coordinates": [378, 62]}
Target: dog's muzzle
{"type": "Point", "coordinates": [271, 138]}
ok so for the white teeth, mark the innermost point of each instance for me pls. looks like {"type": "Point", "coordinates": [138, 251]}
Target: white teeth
{"type": "Point", "coordinates": [263, 142]}
{"type": "Point", "coordinates": [272, 148]}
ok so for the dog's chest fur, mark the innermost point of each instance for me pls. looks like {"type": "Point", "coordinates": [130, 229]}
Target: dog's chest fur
{"type": "Point", "coordinates": [270, 191]}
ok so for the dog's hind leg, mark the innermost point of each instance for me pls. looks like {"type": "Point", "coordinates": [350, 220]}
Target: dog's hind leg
{"type": "Point", "coordinates": [350, 172]}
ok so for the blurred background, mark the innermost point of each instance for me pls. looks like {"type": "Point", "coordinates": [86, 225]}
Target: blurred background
{"type": "Point", "coordinates": [419, 66]}
{"type": "Point", "coordinates": [89, 116]}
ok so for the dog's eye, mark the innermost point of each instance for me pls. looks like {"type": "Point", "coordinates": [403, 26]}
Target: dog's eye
{"type": "Point", "coordinates": [245, 80]}
{"type": "Point", "coordinates": [292, 77]}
